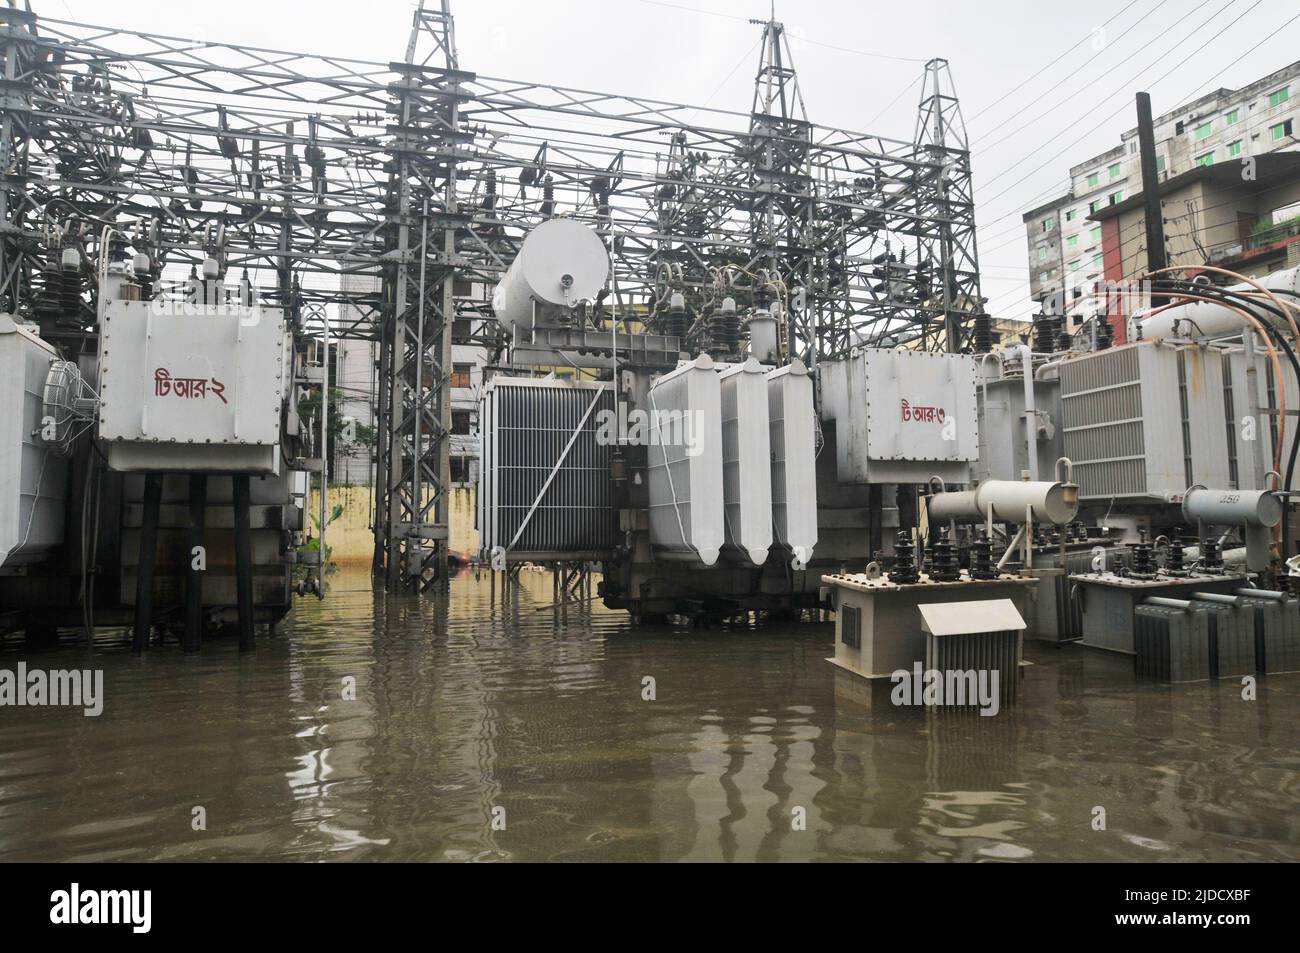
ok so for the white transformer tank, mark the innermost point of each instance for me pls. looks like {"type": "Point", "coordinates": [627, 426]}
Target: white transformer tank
{"type": "Point", "coordinates": [560, 263]}
{"type": "Point", "coordinates": [791, 417]}
{"type": "Point", "coordinates": [902, 416]}
{"type": "Point", "coordinates": [33, 478]}
{"type": "Point", "coordinates": [685, 464]}
{"type": "Point", "coordinates": [192, 388]}
{"type": "Point", "coordinates": [746, 462]}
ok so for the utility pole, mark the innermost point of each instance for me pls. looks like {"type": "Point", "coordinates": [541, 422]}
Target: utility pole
{"type": "Point", "coordinates": [1156, 257]}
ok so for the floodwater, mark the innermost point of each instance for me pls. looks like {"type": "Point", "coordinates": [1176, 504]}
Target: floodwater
{"type": "Point", "coordinates": [484, 733]}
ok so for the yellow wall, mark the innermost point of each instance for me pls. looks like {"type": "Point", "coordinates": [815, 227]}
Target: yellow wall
{"type": "Point", "coordinates": [351, 539]}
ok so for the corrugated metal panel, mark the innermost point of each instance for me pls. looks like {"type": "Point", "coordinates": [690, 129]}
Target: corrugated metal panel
{"type": "Point", "coordinates": [978, 652]}
{"type": "Point", "coordinates": [685, 464]}
{"type": "Point", "coordinates": [746, 462]}
{"type": "Point", "coordinates": [794, 459]}
{"type": "Point", "coordinates": [1277, 633]}
{"type": "Point", "coordinates": [528, 505]}
{"type": "Point", "coordinates": [1117, 407]}
{"type": "Point", "coordinates": [1171, 645]}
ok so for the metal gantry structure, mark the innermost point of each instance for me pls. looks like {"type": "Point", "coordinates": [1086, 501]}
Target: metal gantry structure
{"type": "Point", "coordinates": [396, 195]}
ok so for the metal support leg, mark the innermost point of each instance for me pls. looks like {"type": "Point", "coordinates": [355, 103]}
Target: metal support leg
{"type": "Point", "coordinates": [147, 560]}
{"type": "Point", "coordinates": [194, 581]}
{"type": "Point", "coordinates": [243, 562]}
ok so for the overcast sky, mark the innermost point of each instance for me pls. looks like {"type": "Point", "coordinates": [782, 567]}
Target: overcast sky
{"type": "Point", "coordinates": [856, 62]}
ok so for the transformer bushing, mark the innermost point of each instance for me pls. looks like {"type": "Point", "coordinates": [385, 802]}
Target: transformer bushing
{"type": "Point", "coordinates": [945, 566]}
{"type": "Point", "coordinates": [983, 333]}
{"type": "Point", "coordinates": [1044, 334]}
{"type": "Point", "coordinates": [981, 558]}
{"type": "Point", "coordinates": [1174, 564]}
{"type": "Point", "coordinates": [904, 570]}
{"type": "Point", "coordinates": [1144, 566]}
{"type": "Point", "coordinates": [1211, 555]}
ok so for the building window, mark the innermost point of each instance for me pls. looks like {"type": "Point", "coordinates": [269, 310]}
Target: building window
{"type": "Point", "coordinates": [1092, 206]}
{"type": "Point", "coordinates": [1074, 265]}
{"type": "Point", "coordinates": [1094, 180]}
{"type": "Point", "coordinates": [459, 469]}
{"type": "Point", "coordinates": [1203, 131]}
{"type": "Point", "coordinates": [1072, 242]}
{"type": "Point", "coordinates": [1205, 158]}
{"type": "Point", "coordinates": [1069, 216]}
{"type": "Point", "coordinates": [1160, 163]}
{"type": "Point", "coordinates": [1234, 148]}
{"type": "Point", "coordinates": [1048, 223]}
{"type": "Point", "coordinates": [1116, 197]}
{"type": "Point", "coordinates": [1115, 171]}
{"type": "Point", "coordinates": [460, 421]}
{"type": "Point", "coordinates": [1233, 117]}
{"type": "Point", "coordinates": [1096, 260]}
{"type": "Point", "coordinates": [1096, 235]}
{"type": "Point", "coordinates": [1278, 97]}
{"type": "Point", "coordinates": [460, 375]}
{"type": "Point", "coordinates": [1042, 254]}
{"type": "Point", "coordinates": [1281, 131]}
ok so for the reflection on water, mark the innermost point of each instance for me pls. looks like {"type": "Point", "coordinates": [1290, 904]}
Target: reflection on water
{"type": "Point", "coordinates": [754, 749]}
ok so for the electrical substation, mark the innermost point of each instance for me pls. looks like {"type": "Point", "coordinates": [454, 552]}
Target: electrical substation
{"type": "Point", "coordinates": [738, 364]}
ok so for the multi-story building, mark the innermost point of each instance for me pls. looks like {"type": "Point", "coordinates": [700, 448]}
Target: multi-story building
{"type": "Point", "coordinates": [1065, 238]}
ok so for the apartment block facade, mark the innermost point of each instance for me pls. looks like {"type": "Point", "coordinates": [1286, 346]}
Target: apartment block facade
{"type": "Point", "coordinates": [1227, 125]}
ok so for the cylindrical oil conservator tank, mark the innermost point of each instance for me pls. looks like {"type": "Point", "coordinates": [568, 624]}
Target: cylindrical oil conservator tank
{"type": "Point", "coordinates": [560, 263]}
{"type": "Point", "coordinates": [1232, 507]}
{"type": "Point", "coordinates": [1056, 503]}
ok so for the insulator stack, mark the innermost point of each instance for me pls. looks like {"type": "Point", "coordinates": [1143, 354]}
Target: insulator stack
{"type": "Point", "coordinates": [1175, 561]}
{"type": "Point", "coordinates": [904, 570]}
{"type": "Point", "coordinates": [981, 558]}
{"type": "Point", "coordinates": [983, 333]}
{"type": "Point", "coordinates": [1211, 554]}
{"type": "Point", "coordinates": [944, 564]}
{"type": "Point", "coordinates": [1143, 563]}
{"type": "Point", "coordinates": [927, 560]}
{"type": "Point", "coordinates": [1063, 339]}
{"type": "Point", "coordinates": [1105, 333]}
{"type": "Point", "coordinates": [728, 337]}
{"type": "Point", "coordinates": [1044, 334]}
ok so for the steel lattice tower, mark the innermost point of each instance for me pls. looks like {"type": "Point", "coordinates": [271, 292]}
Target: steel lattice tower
{"type": "Point", "coordinates": [947, 196]}
{"type": "Point", "coordinates": [414, 408]}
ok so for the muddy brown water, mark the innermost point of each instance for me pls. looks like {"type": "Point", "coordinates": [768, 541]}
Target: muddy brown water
{"type": "Point", "coordinates": [469, 716]}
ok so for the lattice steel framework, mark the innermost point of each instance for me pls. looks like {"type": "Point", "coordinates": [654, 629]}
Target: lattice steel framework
{"type": "Point", "coordinates": [396, 194]}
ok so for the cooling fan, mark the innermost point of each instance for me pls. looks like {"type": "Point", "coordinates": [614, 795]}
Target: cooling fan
{"type": "Point", "coordinates": [68, 402]}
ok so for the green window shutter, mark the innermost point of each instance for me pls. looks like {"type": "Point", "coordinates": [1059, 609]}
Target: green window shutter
{"type": "Point", "coordinates": [1234, 148]}
{"type": "Point", "coordinates": [1278, 97]}
{"type": "Point", "coordinates": [1115, 170]}
{"type": "Point", "coordinates": [1094, 179]}
{"type": "Point", "coordinates": [1233, 117]}
{"type": "Point", "coordinates": [1203, 131]}
{"type": "Point", "coordinates": [1072, 243]}
{"type": "Point", "coordinates": [1096, 234]}
{"type": "Point", "coordinates": [1205, 159]}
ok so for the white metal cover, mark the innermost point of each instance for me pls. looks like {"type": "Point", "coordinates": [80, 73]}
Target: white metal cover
{"type": "Point", "coordinates": [685, 463]}
{"type": "Point", "coordinates": [746, 461]}
{"type": "Point", "coordinates": [33, 479]}
{"type": "Point", "coordinates": [968, 618]}
{"type": "Point", "coordinates": [192, 387]}
{"type": "Point", "coordinates": [902, 416]}
{"type": "Point", "coordinates": [791, 417]}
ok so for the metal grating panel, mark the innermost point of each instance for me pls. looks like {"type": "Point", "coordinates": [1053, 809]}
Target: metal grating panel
{"type": "Point", "coordinates": [851, 626]}
{"type": "Point", "coordinates": [1171, 645]}
{"type": "Point", "coordinates": [528, 428]}
{"type": "Point", "coordinates": [978, 652]}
